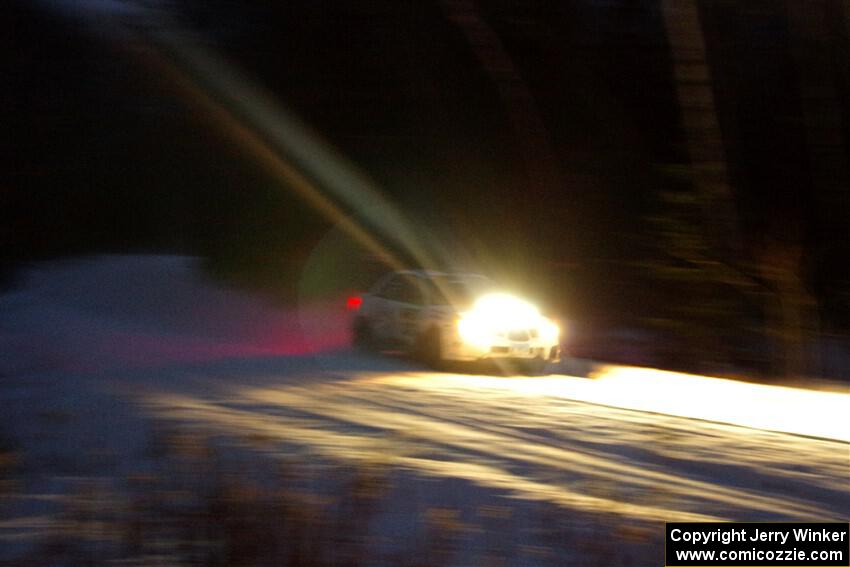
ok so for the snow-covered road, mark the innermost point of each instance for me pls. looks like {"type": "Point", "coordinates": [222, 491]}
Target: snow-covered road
{"type": "Point", "coordinates": [95, 352]}
{"type": "Point", "coordinates": [499, 432]}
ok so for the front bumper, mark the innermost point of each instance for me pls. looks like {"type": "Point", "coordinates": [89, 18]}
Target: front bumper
{"type": "Point", "coordinates": [502, 349]}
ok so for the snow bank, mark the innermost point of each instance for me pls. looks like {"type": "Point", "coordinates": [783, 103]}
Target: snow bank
{"type": "Point", "coordinates": [128, 311]}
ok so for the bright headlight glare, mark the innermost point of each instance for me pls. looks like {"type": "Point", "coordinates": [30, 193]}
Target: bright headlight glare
{"type": "Point", "coordinates": [497, 312]}
{"type": "Point", "coordinates": [549, 330]}
{"type": "Point", "coordinates": [505, 309]}
{"type": "Point", "coordinates": [475, 331]}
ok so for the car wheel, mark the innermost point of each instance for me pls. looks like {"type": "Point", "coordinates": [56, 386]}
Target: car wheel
{"type": "Point", "coordinates": [363, 338]}
{"type": "Point", "coordinates": [429, 348]}
{"type": "Point", "coordinates": [535, 366]}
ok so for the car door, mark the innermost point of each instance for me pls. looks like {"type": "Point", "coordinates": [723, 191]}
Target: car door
{"type": "Point", "coordinates": [408, 311]}
{"type": "Point", "coordinates": [381, 313]}
{"type": "Point", "coordinates": [404, 302]}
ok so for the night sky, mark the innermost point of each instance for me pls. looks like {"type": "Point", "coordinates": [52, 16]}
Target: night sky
{"type": "Point", "coordinates": [553, 165]}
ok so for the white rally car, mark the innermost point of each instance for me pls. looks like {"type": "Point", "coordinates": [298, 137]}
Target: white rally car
{"type": "Point", "coordinates": [438, 317]}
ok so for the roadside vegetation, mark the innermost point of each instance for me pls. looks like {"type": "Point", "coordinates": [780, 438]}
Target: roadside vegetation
{"type": "Point", "coordinates": [202, 502]}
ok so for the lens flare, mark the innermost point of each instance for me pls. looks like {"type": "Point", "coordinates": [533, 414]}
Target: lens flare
{"type": "Point", "coordinates": [497, 312]}
{"type": "Point", "coordinates": [549, 330]}
{"type": "Point", "coordinates": [507, 309]}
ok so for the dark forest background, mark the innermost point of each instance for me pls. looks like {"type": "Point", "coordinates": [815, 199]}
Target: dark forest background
{"type": "Point", "coordinates": [675, 168]}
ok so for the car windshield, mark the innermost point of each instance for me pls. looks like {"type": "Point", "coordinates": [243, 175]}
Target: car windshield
{"type": "Point", "coordinates": [457, 290]}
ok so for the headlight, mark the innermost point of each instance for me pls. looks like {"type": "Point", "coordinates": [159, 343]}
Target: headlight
{"type": "Point", "coordinates": [474, 331]}
{"type": "Point", "coordinates": [549, 330]}
{"type": "Point", "coordinates": [497, 312]}
{"type": "Point", "coordinates": [505, 310]}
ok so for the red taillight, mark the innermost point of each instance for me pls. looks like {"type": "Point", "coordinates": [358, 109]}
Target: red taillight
{"type": "Point", "coordinates": [353, 303]}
